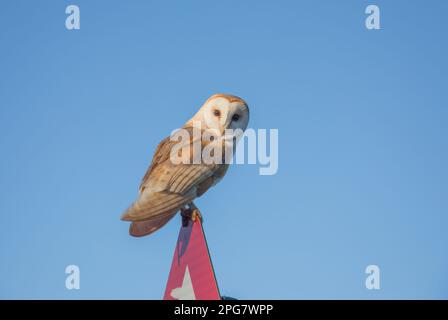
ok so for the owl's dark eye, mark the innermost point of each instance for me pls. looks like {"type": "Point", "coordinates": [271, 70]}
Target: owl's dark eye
{"type": "Point", "coordinates": [235, 117]}
{"type": "Point", "coordinates": [217, 113]}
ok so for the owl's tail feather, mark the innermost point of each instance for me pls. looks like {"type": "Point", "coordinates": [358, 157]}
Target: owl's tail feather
{"type": "Point", "coordinates": [144, 228]}
{"type": "Point", "coordinates": [153, 210]}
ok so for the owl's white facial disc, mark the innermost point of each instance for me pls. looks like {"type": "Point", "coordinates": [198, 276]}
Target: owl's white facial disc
{"type": "Point", "coordinates": [237, 116]}
{"type": "Point", "coordinates": [220, 114]}
{"type": "Point", "coordinates": [215, 113]}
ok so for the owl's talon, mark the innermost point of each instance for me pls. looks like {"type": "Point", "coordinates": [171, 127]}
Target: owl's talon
{"type": "Point", "coordinates": [188, 214]}
{"type": "Point", "coordinates": [196, 215]}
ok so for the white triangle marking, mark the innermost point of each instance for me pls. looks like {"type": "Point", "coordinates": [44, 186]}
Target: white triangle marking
{"type": "Point", "coordinates": [186, 292]}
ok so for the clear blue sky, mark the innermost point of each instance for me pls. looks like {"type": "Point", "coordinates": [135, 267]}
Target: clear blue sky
{"type": "Point", "coordinates": [362, 119]}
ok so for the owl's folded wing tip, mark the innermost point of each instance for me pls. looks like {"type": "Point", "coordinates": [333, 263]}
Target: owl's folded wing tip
{"type": "Point", "coordinates": [126, 217]}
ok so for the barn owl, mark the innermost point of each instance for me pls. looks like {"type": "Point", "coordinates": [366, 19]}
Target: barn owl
{"type": "Point", "coordinates": [168, 187]}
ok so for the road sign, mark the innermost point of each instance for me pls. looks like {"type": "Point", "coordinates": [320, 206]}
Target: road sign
{"type": "Point", "coordinates": [191, 276]}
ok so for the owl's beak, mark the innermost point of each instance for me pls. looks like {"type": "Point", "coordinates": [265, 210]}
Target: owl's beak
{"type": "Point", "coordinates": [226, 125]}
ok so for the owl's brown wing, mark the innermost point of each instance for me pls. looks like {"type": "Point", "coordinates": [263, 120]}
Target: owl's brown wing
{"type": "Point", "coordinates": [167, 187]}
{"type": "Point", "coordinates": [161, 155]}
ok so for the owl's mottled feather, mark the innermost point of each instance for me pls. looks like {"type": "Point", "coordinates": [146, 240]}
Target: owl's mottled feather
{"type": "Point", "coordinates": [167, 187]}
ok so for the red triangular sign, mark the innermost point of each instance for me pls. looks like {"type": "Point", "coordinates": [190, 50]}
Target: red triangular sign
{"type": "Point", "coordinates": [191, 276]}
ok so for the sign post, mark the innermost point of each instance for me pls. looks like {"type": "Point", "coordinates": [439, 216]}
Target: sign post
{"type": "Point", "coordinates": [191, 276]}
